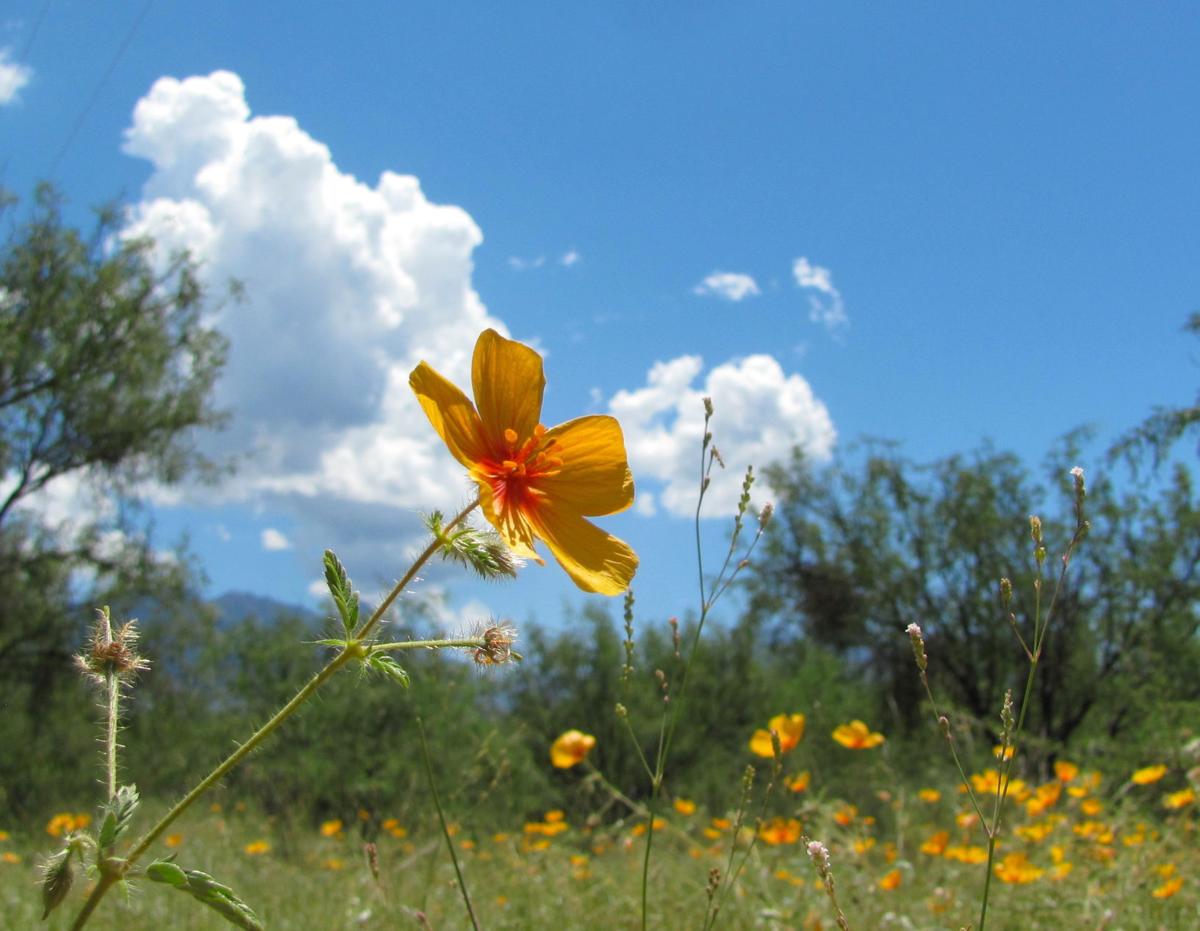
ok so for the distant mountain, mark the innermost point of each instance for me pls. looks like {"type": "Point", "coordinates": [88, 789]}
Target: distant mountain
{"type": "Point", "coordinates": [235, 607]}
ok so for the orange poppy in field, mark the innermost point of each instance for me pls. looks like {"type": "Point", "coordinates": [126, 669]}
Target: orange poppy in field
{"type": "Point", "coordinates": [857, 736]}
{"type": "Point", "coordinates": [535, 483]}
{"type": "Point", "coordinates": [789, 727]}
{"type": "Point", "coordinates": [571, 747]}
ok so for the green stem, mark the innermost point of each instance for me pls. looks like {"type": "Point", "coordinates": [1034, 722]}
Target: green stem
{"type": "Point", "coordinates": [351, 650]}
{"type": "Point", "coordinates": [437, 803]}
{"type": "Point", "coordinates": [435, 544]}
{"type": "Point", "coordinates": [465, 643]}
{"type": "Point", "coordinates": [113, 685]}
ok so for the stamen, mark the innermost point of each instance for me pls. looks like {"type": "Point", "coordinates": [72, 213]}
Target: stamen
{"type": "Point", "coordinates": [509, 465]}
{"type": "Point", "coordinates": [510, 436]}
{"type": "Point", "coordinates": [539, 431]}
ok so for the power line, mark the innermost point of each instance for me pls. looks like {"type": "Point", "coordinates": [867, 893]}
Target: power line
{"type": "Point", "coordinates": [112, 66]}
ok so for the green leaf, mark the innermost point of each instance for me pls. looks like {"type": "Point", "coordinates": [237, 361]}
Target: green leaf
{"type": "Point", "coordinates": [164, 871]}
{"type": "Point", "coordinates": [117, 815]}
{"type": "Point", "coordinates": [206, 890]}
{"type": "Point", "coordinates": [342, 591]}
{"type": "Point", "coordinates": [383, 663]}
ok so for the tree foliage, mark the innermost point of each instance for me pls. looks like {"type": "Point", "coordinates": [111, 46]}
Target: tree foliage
{"type": "Point", "coordinates": [107, 367]}
{"type": "Point", "coordinates": [864, 548]}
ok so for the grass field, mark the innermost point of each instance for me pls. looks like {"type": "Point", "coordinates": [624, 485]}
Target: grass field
{"type": "Point", "coordinates": [1084, 851]}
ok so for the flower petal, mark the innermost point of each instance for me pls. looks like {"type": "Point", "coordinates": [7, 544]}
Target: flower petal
{"type": "Point", "coordinates": [452, 414]}
{"type": "Point", "coordinates": [596, 561]}
{"type": "Point", "coordinates": [508, 381]}
{"type": "Point", "coordinates": [594, 479]}
{"type": "Point", "coordinates": [515, 531]}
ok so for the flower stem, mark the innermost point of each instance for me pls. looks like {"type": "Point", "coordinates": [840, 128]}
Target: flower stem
{"type": "Point", "coordinates": [437, 803]}
{"type": "Point", "coordinates": [112, 685]}
{"type": "Point", "coordinates": [350, 651]}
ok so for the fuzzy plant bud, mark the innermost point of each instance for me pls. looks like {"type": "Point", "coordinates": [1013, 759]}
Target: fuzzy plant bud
{"type": "Point", "coordinates": [708, 407]}
{"type": "Point", "coordinates": [764, 516]}
{"type": "Point", "coordinates": [622, 711]}
{"type": "Point", "coordinates": [1005, 592]}
{"type": "Point", "coordinates": [497, 645]}
{"type": "Point", "coordinates": [918, 646]}
{"type": "Point", "coordinates": [111, 652]}
{"type": "Point", "coordinates": [57, 877]}
{"type": "Point", "coordinates": [1007, 718]}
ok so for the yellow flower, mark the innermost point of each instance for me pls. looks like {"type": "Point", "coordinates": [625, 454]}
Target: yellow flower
{"type": "Point", "coordinates": [3, 835]}
{"type": "Point", "coordinates": [685, 806]}
{"type": "Point", "coordinates": [789, 727]}
{"type": "Point", "coordinates": [1180, 799]}
{"type": "Point", "coordinates": [553, 815]}
{"type": "Point", "coordinates": [534, 482]}
{"type": "Point", "coordinates": [930, 795]}
{"type": "Point", "coordinates": [1148, 774]}
{"type": "Point", "coordinates": [1169, 888]}
{"type": "Point", "coordinates": [1016, 868]}
{"type": "Point", "coordinates": [936, 845]}
{"type": "Point", "coordinates": [1000, 750]}
{"type": "Point", "coordinates": [967, 854]}
{"type": "Point", "coordinates": [571, 747]}
{"type": "Point", "coordinates": [891, 881]}
{"type": "Point", "coordinates": [780, 831]}
{"type": "Point", "coordinates": [173, 840]}
{"type": "Point", "coordinates": [845, 815]}
{"type": "Point", "coordinates": [331, 828]}
{"type": "Point", "coordinates": [9, 857]}
{"type": "Point", "coordinates": [799, 783]}
{"type": "Point", "coordinates": [856, 736]}
{"type": "Point", "coordinates": [1065, 771]}
{"type": "Point", "coordinates": [255, 848]}
{"type": "Point", "coordinates": [1091, 807]}
{"type": "Point", "coordinates": [332, 863]}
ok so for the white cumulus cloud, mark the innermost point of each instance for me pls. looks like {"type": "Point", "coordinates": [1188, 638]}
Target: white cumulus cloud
{"type": "Point", "coordinates": [730, 286]}
{"type": "Point", "coordinates": [761, 413]}
{"type": "Point", "coordinates": [348, 285]}
{"type": "Point", "coordinates": [273, 540]}
{"type": "Point", "coordinates": [13, 76]}
{"type": "Point", "coordinates": [825, 304]}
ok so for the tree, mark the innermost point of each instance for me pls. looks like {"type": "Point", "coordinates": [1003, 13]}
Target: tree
{"type": "Point", "coordinates": [106, 374]}
{"type": "Point", "coordinates": [1165, 426]}
{"type": "Point", "coordinates": [860, 550]}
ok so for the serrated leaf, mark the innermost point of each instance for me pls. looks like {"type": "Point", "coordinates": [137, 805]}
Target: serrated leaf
{"type": "Point", "coordinates": [383, 663]}
{"type": "Point", "coordinates": [342, 591]}
{"type": "Point", "coordinates": [118, 812]}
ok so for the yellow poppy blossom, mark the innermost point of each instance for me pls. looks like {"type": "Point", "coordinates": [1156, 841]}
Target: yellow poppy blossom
{"type": "Point", "coordinates": [570, 748]}
{"type": "Point", "coordinates": [534, 482]}
{"type": "Point", "coordinates": [857, 736]}
{"type": "Point", "coordinates": [1148, 774]}
{"type": "Point", "coordinates": [789, 727]}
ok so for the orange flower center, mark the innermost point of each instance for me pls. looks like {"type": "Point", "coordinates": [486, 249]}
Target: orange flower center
{"type": "Point", "coordinates": [514, 472]}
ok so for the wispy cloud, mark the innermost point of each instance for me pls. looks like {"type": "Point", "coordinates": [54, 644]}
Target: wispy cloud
{"type": "Point", "coordinates": [566, 260]}
{"type": "Point", "coordinates": [825, 305]}
{"type": "Point", "coordinates": [729, 286]}
{"type": "Point", "coordinates": [273, 540]}
{"type": "Point", "coordinates": [13, 76]}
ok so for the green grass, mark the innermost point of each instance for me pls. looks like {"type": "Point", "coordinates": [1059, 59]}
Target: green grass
{"type": "Point", "coordinates": [580, 878]}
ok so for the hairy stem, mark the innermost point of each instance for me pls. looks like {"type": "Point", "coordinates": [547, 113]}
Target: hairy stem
{"type": "Point", "coordinates": [350, 651]}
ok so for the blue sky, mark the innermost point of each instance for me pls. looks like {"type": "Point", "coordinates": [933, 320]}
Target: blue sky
{"type": "Point", "coordinates": [931, 223]}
